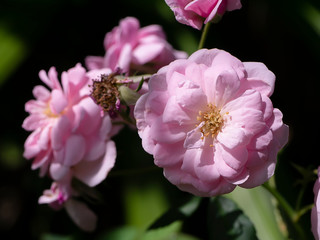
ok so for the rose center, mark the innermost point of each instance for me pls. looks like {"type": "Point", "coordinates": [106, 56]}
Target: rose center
{"type": "Point", "coordinates": [211, 121]}
{"type": "Point", "coordinates": [105, 92]}
{"type": "Point", "coordinates": [47, 111]}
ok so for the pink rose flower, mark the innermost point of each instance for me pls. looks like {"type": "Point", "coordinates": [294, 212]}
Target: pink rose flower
{"type": "Point", "coordinates": [69, 136]}
{"type": "Point", "coordinates": [61, 195]}
{"type": "Point", "coordinates": [209, 123]}
{"type": "Point", "coordinates": [57, 195]}
{"type": "Point", "coordinates": [196, 12]}
{"type": "Point", "coordinates": [315, 212]}
{"type": "Point", "coordinates": [130, 47]}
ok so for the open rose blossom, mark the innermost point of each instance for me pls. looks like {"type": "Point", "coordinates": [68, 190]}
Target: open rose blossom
{"type": "Point", "coordinates": [130, 47]}
{"type": "Point", "coordinates": [209, 123]}
{"type": "Point", "coordinates": [315, 212]}
{"type": "Point", "coordinates": [69, 136]}
{"type": "Point", "coordinates": [196, 12]}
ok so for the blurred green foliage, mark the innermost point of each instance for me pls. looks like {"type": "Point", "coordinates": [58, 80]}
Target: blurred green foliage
{"type": "Point", "coordinates": [36, 35]}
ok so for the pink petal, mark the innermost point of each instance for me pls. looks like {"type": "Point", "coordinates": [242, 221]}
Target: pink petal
{"type": "Point", "coordinates": [205, 169]}
{"type": "Point", "coordinates": [95, 74]}
{"type": "Point", "coordinates": [42, 158]}
{"type": "Point", "coordinates": [229, 162]}
{"type": "Point", "coordinates": [59, 132]}
{"type": "Point", "coordinates": [87, 116]}
{"type": "Point", "coordinates": [148, 143]}
{"type": "Point", "coordinates": [166, 133]}
{"type": "Point", "coordinates": [34, 106]}
{"type": "Point", "coordinates": [159, 81]}
{"type": "Point", "coordinates": [260, 175]}
{"type": "Point", "coordinates": [261, 140]}
{"type": "Point", "coordinates": [280, 130]}
{"type": "Point", "coordinates": [194, 138]}
{"type": "Point", "coordinates": [51, 79]}
{"type": "Point", "coordinates": [96, 149]}
{"type": "Point", "coordinates": [58, 171]}
{"type": "Point", "coordinates": [260, 77]}
{"type": "Point", "coordinates": [58, 101]}
{"type": "Point", "coordinates": [81, 215]}
{"type": "Point", "coordinates": [202, 7]}
{"type": "Point", "coordinates": [168, 154]}
{"type": "Point", "coordinates": [41, 93]}
{"type": "Point", "coordinates": [125, 57]}
{"type": "Point", "coordinates": [147, 52]}
{"type": "Point", "coordinates": [232, 137]}
{"type": "Point", "coordinates": [128, 27]}
{"type": "Point", "coordinates": [174, 114]}
{"type": "Point", "coordinates": [246, 112]}
{"type": "Point", "coordinates": [151, 30]}
{"type": "Point", "coordinates": [93, 62]}
{"type": "Point", "coordinates": [94, 172]}
{"type": "Point", "coordinates": [219, 9]}
{"type": "Point", "coordinates": [75, 148]}
{"type": "Point", "coordinates": [111, 58]}
{"type": "Point", "coordinates": [34, 121]}
{"type": "Point", "coordinates": [73, 80]}
{"type": "Point", "coordinates": [183, 16]}
{"type": "Point", "coordinates": [190, 96]}
{"type": "Point", "coordinates": [106, 128]}
{"type": "Point", "coordinates": [225, 82]}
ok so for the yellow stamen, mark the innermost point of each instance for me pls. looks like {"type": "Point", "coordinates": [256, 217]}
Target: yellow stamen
{"type": "Point", "coordinates": [213, 121]}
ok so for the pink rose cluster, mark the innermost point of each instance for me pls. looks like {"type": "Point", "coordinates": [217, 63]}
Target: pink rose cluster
{"type": "Point", "coordinates": [128, 47]}
{"type": "Point", "coordinates": [69, 139]}
{"type": "Point", "coordinates": [209, 123]}
{"type": "Point", "coordinates": [196, 12]}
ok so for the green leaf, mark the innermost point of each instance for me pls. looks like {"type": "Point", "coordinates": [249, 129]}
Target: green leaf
{"type": "Point", "coordinates": [170, 232]}
{"type": "Point", "coordinates": [312, 16]}
{"type": "Point", "coordinates": [227, 221]}
{"type": "Point", "coordinates": [175, 214]}
{"type": "Point", "coordinates": [164, 233]}
{"type": "Point", "coordinates": [121, 233]}
{"type": "Point", "coordinates": [144, 204]}
{"type": "Point", "coordinates": [128, 95]}
{"type": "Point", "coordinates": [49, 236]}
{"type": "Point", "coordinates": [257, 205]}
{"type": "Point", "coordinates": [140, 85]}
{"type": "Point", "coordinates": [12, 51]}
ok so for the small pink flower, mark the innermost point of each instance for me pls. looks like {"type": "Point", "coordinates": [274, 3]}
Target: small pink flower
{"type": "Point", "coordinates": [196, 12]}
{"type": "Point", "coordinates": [130, 47]}
{"type": "Point", "coordinates": [56, 196]}
{"type": "Point", "coordinates": [209, 123]}
{"type": "Point", "coordinates": [315, 212]}
{"type": "Point", "coordinates": [60, 195]}
{"type": "Point", "coordinates": [69, 135]}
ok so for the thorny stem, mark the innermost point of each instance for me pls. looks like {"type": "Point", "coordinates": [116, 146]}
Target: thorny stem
{"type": "Point", "coordinates": [300, 196]}
{"type": "Point", "coordinates": [302, 211]}
{"type": "Point", "coordinates": [204, 35]}
{"type": "Point", "coordinates": [293, 216]}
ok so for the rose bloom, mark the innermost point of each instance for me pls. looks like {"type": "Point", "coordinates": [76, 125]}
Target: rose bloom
{"type": "Point", "coordinates": [209, 123]}
{"type": "Point", "coordinates": [69, 136]}
{"type": "Point", "coordinates": [61, 195]}
{"type": "Point", "coordinates": [130, 47]}
{"type": "Point", "coordinates": [315, 212]}
{"type": "Point", "coordinates": [196, 12]}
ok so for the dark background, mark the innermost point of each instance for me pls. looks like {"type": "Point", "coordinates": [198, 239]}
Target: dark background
{"type": "Point", "coordinates": [38, 34]}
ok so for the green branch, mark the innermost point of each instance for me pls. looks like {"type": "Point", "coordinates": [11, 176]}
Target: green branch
{"type": "Point", "coordinates": [204, 35]}
{"type": "Point", "coordinates": [291, 213]}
